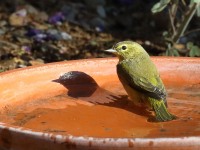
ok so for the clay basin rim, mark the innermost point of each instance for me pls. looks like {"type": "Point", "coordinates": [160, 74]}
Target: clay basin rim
{"type": "Point", "coordinates": [30, 99]}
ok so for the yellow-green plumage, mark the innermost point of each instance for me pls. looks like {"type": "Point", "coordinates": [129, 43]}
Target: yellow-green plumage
{"type": "Point", "coordinates": [141, 79]}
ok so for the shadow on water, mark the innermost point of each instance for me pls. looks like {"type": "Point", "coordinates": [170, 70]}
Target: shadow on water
{"type": "Point", "coordinates": [82, 86]}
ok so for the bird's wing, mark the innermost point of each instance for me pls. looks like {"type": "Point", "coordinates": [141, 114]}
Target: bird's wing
{"type": "Point", "coordinates": [139, 82]}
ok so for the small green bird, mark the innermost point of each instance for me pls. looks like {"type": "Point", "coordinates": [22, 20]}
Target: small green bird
{"type": "Point", "coordinates": [140, 78]}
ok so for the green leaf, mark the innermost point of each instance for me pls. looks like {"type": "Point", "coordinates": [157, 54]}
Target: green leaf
{"type": "Point", "coordinates": [165, 33]}
{"type": "Point", "coordinates": [172, 51]}
{"type": "Point", "coordinates": [196, 50]}
{"type": "Point", "coordinates": [192, 53]}
{"type": "Point", "coordinates": [195, 1]}
{"type": "Point", "coordinates": [197, 53]}
{"type": "Point", "coordinates": [189, 45]}
{"type": "Point", "coordinates": [158, 7]}
{"type": "Point", "coordinates": [175, 52]}
{"type": "Point", "coordinates": [198, 6]}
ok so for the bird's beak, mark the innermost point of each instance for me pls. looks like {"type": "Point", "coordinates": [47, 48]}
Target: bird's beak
{"type": "Point", "coordinates": [111, 51]}
{"type": "Point", "coordinates": [56, 80]}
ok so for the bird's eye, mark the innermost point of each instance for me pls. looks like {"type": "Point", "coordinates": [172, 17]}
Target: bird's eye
{"type": "Point", "coordinates": [123, 47]}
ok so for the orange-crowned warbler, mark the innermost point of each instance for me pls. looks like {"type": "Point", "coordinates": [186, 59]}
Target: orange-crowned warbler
{"type": "Point", "coordinates": [140, 78]}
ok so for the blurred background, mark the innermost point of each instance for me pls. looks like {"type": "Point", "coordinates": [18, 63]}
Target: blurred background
{"type": "Point", "coordinates": [37, 32]}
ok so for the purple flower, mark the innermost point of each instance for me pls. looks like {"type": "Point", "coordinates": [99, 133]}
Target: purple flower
{"type": "Point", "coordinates": [26, 48]}
{"type": "Point", "coordinates": [57, 18]}
{"type": "Point", "coordinates": [33, 32]}
{"type": "Point", "coordinates": [37, 35]}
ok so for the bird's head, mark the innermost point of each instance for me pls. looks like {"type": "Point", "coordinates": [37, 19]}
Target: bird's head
{"type": "Point", "coordinates": [127, 50]}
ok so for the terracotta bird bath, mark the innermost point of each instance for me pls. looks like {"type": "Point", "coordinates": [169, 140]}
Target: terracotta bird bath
{"type": "Point", "coordinates": [90, 109]}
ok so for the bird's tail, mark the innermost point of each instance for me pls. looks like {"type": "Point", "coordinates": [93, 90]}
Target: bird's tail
{"type": "Point", "coordinates": [161, 111]}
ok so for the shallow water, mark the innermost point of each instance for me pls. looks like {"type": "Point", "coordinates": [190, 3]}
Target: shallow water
{"type": "Point", "coordinates": [107, 113]}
